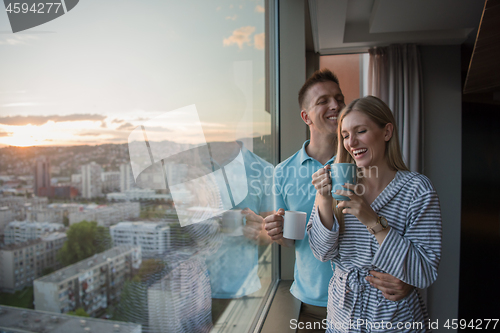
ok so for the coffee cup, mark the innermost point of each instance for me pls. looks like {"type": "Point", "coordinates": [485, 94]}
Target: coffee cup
{"type": "Point", "coordinates": [232, 222]}
{"type": "Point", "coordinates": [294, 224]}
{"type": "Point", "coordinates": [340, 174]}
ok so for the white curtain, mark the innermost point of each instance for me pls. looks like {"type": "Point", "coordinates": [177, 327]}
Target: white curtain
{"type": "Point", "coordinates": [395, 76]}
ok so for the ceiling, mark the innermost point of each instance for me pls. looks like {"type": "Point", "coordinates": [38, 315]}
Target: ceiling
{"type": "Point", "coordinates": [349, 26]}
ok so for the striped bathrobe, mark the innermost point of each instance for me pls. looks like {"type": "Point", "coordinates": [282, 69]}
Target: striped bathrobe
{"type": "Point", "coordinates": [411, 252]}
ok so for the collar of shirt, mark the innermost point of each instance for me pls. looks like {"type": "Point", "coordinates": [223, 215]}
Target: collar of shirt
{"type": "Point", "coordinates": [304, 157]}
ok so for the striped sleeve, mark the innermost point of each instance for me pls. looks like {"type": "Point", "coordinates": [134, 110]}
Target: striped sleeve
{"type": "Point", "coordinates": [324, 243]}
{"type": "Point", "coordinates": [414, 257]}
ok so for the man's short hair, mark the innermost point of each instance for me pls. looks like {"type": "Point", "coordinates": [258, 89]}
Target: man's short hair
{"type": "Point", "coordinates": [321, 75]}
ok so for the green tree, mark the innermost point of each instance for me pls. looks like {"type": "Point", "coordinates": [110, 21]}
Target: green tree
{"type": "Point", "coordinates": [80, 312]}
{"type": "Point", "coordinates": [47, 270]}
{"type": "Point", "coordinates": [84, 239]}
{"type": "Point", "coordinates": [66, 221]}
{"type": "Point", "coordinates": [133, 305]}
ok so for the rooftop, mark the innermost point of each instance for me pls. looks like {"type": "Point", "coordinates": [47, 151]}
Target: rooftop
{"type": "Point", "coordinates": [86, 264]}
{"type": "Point", "coordinates": [25, 320]}
{"type": "Point", "coordinates": [141, 225]}
{"type": "Point", "coordinates": [18, 246]}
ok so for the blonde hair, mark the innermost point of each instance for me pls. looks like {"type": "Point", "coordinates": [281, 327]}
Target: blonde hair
{"type": "Point", "coordinates": [375, 109]}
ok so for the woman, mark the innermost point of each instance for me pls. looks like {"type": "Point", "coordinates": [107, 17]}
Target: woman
{"type": "Point", "coordinates": [392, 224]}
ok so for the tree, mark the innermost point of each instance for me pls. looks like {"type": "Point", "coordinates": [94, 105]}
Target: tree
{"type": "Point", "coordinates": [66, 221]}
{"type": "Point", "coordinates": [79, 312]}
{"type": "Point", "coordinates": [84, 239]}
{"type": "Point", "coordinates": [133, 305]}
{"type": "Point", "coordinates": [47, 271]}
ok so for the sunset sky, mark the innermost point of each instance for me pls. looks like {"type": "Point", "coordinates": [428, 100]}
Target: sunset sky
{"type": "Point", "coordinates": [94, 74]}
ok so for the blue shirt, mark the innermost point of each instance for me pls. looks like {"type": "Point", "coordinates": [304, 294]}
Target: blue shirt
{"type": "Point", "coordinates": [233, 268]}
{"type": "Point", "coordinates": [293, 190]}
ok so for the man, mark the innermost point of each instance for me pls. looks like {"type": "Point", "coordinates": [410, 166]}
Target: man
{"type": "Point", "coordinates": [320, 100]}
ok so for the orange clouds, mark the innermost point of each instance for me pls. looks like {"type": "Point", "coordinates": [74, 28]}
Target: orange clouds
{"type": "Point", "coordinates": [240, 37]}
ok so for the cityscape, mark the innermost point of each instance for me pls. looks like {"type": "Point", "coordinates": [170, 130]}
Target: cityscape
{"type": "Point", "coordinates": [57, 200]}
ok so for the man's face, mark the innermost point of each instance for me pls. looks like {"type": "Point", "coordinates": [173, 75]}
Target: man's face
{"type": "Point", "coordinates": [322, 105]}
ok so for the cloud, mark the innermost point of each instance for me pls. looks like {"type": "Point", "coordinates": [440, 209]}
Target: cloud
{"type": "Point", "coordinates": [18, 104]}
{"type": "Point", "coordinates": [89, 134]}
{"type": "Point", "coordinates": [158, 129]}
{"type": "Point", "coordinates": [117, 121]}
{"type": "Point", "coordinates": [232, 18]}
{"type": "Point", "coordinates": [259, 41]}
{"type": "Point", "coordinates": [3, 134]}
{"type": "Point", "coordinates": [260, 9]}
{"type": "Point", "coordinates": [240, 36]}
{"type": "Point", "coordinates": [40, 120]}
{"type": "Point", "coordinates": [126, 126]}
{"type": "Point", "coordinates": [17, 40]}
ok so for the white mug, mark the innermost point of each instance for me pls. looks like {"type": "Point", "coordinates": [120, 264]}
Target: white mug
{"type": "Point", "coordinates": [294, 224]}
{"type": "Point", "coordinates": [232, 222]}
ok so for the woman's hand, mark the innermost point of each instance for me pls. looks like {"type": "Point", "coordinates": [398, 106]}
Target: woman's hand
{"type": "Point", "coordinates": [357, 206]}
{"type": "Point", "coordinates": [323, 185]}
{"type": "Point", "coordinates": [322, 182]}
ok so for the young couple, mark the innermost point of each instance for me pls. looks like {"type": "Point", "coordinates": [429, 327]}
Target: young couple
{"type": "Point", "coordinates": [381, 244]}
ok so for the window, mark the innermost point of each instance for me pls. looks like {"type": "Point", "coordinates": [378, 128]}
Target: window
{"type": "Point", "coordinates": [352, 71]}
{"type": "Point", "coordinates": [174, 96]}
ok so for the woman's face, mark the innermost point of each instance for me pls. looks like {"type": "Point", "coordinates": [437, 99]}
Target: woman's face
{"type": "Point", "coordinates": [364, 139]}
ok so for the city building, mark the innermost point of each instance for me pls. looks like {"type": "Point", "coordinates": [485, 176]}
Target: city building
{"type": "Point", "coordinates": [19, 232]}
{"type": "Point", "coordinates": [127, 181]}
{"type": "Point", "coordinates": [137, 194]}
{"type": "Point", "coordinates": [91, 284]}
{"type": "Point", "coordinates": [21, 205]}
{"type": "Point", "coordinates": [14, 319]}
{"type": "Point", "coordinates": [182, 298]}
{"type": "Point", "coordinates": [52, 213]}
{"type": "Point", "coordinates": [6, 216]}
{"type": "Point", "coordinates": [110, 181]}
{"type": "Point", "coordinates": [42, 176]}
{"type": "Point", "coordinates": [106, 215]}
{"type": "Point", "coordinates": [153, 238]}
{"type": "Point", "coordinates": [91, 180]}
{"type": "Point", "coordinates": [76, 181]}
{"type": "Point", "coordinates": [22, 263]}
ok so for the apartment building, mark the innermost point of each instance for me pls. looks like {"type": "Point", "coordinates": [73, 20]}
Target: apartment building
{"type": "Point", "coordinates": [21, 205]}
{"type": "Point", "coordinates": [127, 181]}
{"type": "Point", "coordinates": [25, 320]}
{"type": "Point", "coordinates": [153, 238]}
{"type": "Point", "coordinates": [137, 194]}
{"type": "Point", "coordinates": [106, 215]}
{"type": "Point", "coordinates": [42, 176]}
{"type": "Point", "coordinates": [20, 232]}
{"type": "Point", "coordinates": [91, 180]}
{"type": "Point", "coordinates": [6, 216]}
{"type": "Point", "coordinates": [52, 213]}
{"type": "Point", "coordinates": [21, 264]}
{"type": "Point", "coordinates": [110, 181]}
{"type": "Point", "coordinates": [91, 284]}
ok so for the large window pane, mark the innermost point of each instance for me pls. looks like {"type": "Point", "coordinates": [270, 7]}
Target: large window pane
{"type": "Point", "coordinates": [136, 162]}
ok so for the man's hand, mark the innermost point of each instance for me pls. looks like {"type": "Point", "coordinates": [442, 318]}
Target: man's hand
{"type": "Point", "coordinates": [274, 225]}
{"type": "Point", "coordinates": [392, 288]}
{"type": "Point", "coordinates": [254, 224]}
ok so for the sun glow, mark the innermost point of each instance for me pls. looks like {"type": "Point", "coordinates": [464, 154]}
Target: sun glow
{"type": "Point", "coordinates": [51, 133]}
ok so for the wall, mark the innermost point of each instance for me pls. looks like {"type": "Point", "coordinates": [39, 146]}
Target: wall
{"type": "Point", "coordinates": [442, 164]}
{"type": "Point", "coordinates": [292, 64]}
